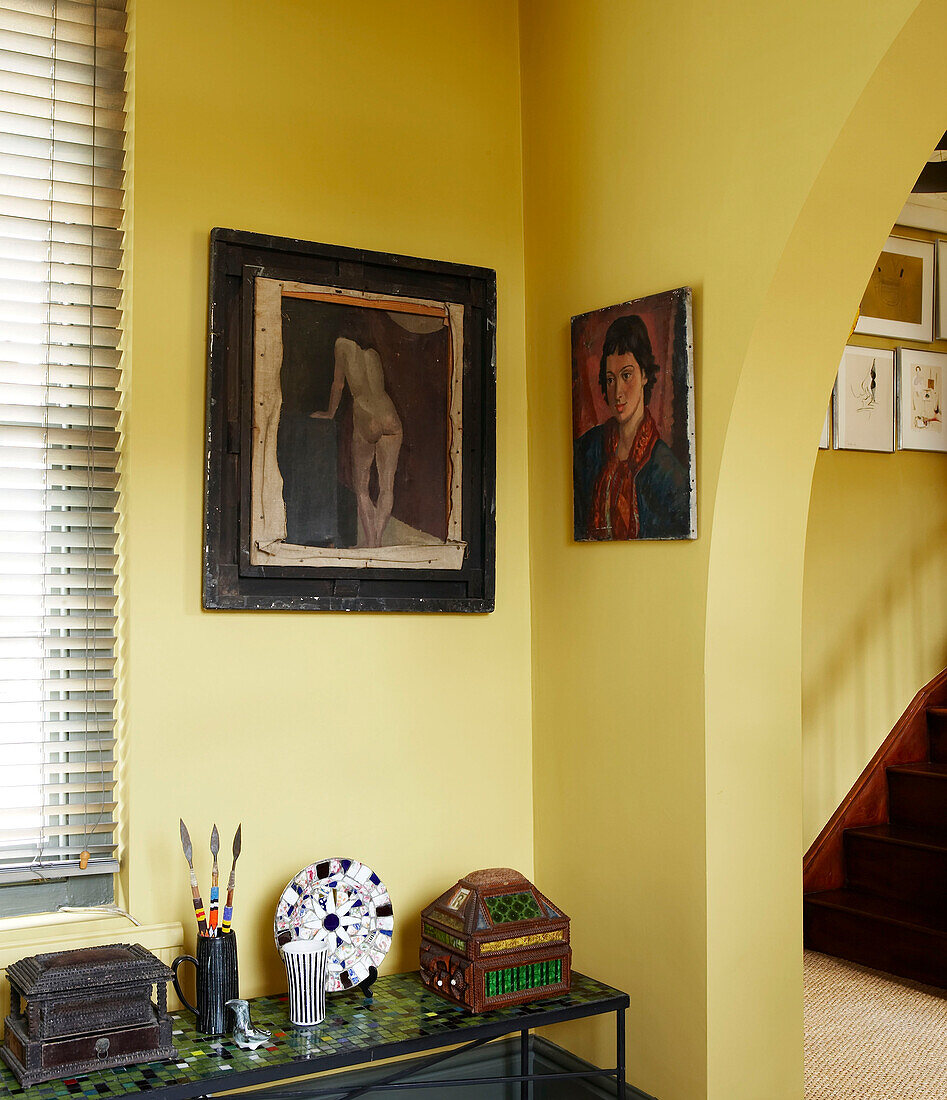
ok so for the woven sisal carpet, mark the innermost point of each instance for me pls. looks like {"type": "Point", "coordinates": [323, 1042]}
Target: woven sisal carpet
{"type": "Point", "coordinates": [870, 1036]}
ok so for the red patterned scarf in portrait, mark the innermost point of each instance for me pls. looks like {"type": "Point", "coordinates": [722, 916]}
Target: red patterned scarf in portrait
{"type": "Point", "coordinates": [614, 513]}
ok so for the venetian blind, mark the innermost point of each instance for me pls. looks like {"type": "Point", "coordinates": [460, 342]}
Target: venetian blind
{"type": "Point", "coordinates": [62, 66]}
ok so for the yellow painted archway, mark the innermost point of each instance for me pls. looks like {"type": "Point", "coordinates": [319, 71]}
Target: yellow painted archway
{"type": "Point", "coordinates": [754, 606]}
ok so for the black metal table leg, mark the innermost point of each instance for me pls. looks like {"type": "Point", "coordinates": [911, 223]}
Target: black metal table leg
{"type": "Point", "coordinates": [525, 1068]}
{"type": "Point", "coordinates": [621, 1053]}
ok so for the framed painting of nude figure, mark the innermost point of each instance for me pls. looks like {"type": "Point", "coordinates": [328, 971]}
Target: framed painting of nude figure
{"type": "Point", "coordinates": [633, 421]}
{"type": "Point", "coordinates": [350, 430]}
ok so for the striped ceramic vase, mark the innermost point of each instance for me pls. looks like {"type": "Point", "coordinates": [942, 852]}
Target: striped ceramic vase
{"type": "Point", "coordinates": [305, 962]}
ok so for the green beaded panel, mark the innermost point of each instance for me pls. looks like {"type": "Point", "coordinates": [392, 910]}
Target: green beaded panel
{"type": "Point", "coordinates": [434, 933]}
{"type": "Point", "coordinates": [355, 1029]}
{"type": "Point", "coordinates": [509, 908]}
{"type": "Point", "coordinates": [514, 979]}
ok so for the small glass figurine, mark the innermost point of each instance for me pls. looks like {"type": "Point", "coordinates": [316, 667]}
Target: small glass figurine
{"type": "Point", "coordinates": [244, 1033]}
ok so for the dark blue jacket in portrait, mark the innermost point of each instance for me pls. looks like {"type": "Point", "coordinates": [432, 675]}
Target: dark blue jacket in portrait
{"type": "Point", "coordinates": [662, 491]}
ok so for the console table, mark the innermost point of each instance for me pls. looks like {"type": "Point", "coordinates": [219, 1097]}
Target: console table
{"type": "Point", "coordinates": [402, 1017]}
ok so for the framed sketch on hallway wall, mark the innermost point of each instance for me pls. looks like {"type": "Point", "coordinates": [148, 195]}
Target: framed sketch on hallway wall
{"type": "Point", "coordinates": [920, 378]}
{"type": "Point", "coordinates": [940, 278]}
{"type": "Point", "coordinates": [633, 421]}
{"type": "Point", "coordinates": [899, 298]}
{"type": "Point", "coordinates": [350, 430]}
{"type": "Point", "coordinates": [825, 439]}
{"type": "Point", "coordinates": [864, 400]}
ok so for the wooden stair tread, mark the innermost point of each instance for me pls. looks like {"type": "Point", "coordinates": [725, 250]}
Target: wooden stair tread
{"type": "Point", "coordinates": [904, 834]}
{"type": "Point", "coordinates": [941, 712]}
{"type": "Point", "coordinates": [935, 771]}
{"type": "Point", "coordinates": [877, 908]}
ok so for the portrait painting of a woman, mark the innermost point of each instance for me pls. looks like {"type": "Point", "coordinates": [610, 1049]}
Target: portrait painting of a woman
{"type": "Point", "coordinates": [633, 439]}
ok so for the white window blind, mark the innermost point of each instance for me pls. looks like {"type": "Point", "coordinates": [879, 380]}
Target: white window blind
{"type": "Point", "coordinates": [62, 80]}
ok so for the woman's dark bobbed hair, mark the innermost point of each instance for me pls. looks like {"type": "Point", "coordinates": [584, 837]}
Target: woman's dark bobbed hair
{"type": "Point", "coordinates": [629, 335]}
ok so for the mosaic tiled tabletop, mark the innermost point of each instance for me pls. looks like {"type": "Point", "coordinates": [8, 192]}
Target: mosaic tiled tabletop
{"type": "Point", "coordinates": [401, 1017]}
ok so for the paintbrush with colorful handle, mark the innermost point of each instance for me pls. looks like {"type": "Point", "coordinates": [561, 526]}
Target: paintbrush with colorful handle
{"type": "Point", "coordinates": [214, 881]}
{"type": "Point", "coordinates": [195, 892]}
{"type": "Point", "coordinates": [228, 908]}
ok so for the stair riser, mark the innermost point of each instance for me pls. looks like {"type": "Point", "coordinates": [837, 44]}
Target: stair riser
{"type": "Point", "coordinates": [937, 735]}
{"type": "Point", "coordinates": [907, 952]}
{"type": "Point", "coordinates": [914, 875]}
{"type": "Point", "coordinates": [917, 800]}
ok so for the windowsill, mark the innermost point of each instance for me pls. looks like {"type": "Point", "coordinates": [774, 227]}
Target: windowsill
{"type": "Point", "coordinates": [38, 927]}
{"type": "Point", "coordinates": [39, 933]}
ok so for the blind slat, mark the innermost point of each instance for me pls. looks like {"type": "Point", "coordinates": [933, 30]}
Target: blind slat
{"type": "Point", "coordinates": [49, 748]}
{"type": "Point", "coordinates": [93, 786]}
{"type": "Point", "coordinates": [43, 229]}
{"type": "Point", "coordinates": [66, 30]}
{"type": "Point", "coordinates": [70, 440]}
{"type": "Point", "coordinates": [62, 152]}
{"type": "Point", "coordinates": [40, 397]}
{"type": "Point", "coordinates": [60, 835]}
{"type": "Point", "coordinates": [69, 275]}
{"type": "Point", "coordinates": [60, 210]}
{"type": "Point", "coordinates": [85, 95]}
{"type": "Point", "coordinates": [6, 813]}
{"type": "Point", "coordinates": [104, 12]}
{"type": "Point", "coordinates": [25, 853]}
{"type": "Point", "coordinates": [46, 251]}
{"type": "Point", "coordinates": [60, 39]}
{"type": "Point", "coordinates": [54, 582]}
{"type": "Point", "coordinates": [52, 767]}
{"type": "Point", "coordinates": [11, 669]}
{"type": "Point", "coordinates": [73, 72]}
{"type": "Point", "coordinates": [57, 374]}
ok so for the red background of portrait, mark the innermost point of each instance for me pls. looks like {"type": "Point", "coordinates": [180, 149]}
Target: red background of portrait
{"type": "Point", "coordinates": [588, 335]}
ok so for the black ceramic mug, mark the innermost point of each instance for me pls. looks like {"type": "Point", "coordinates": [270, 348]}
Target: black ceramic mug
{"type": "Point", "coordinates": [216, 967]}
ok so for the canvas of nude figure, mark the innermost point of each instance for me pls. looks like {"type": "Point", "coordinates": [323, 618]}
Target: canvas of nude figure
{"type": "Point", "coordinates": [407, 404]}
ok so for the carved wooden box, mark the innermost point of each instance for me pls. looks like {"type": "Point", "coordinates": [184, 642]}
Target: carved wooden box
{"type": "Point", "coordinates": [85, 1010]}
{"type": "Point", "coordinates": [494, 940]}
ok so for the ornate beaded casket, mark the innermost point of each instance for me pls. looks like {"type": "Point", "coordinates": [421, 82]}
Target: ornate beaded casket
{"type": "Point", "coordinates": [85, 1010]}
{"type": "Point", "coordinates": [494, 940]}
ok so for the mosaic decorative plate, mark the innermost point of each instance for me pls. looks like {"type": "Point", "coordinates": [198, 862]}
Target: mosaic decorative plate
{"type": "Point", "coordinates": [343, 903]}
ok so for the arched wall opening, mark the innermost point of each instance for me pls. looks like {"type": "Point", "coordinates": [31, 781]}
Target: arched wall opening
{"type": "Point", "coordinates": [754, 589]}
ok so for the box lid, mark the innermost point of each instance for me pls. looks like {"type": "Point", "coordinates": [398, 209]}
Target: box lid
{"type": "Point", "coordinates": [494, 899]}
{"type": "Point", "coordinates": [87, 968]}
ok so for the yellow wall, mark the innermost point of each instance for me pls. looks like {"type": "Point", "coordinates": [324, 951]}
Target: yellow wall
{"type": "Point", "coordinates": [403, 740]}
{"type": "Point", "coordinates": [875, 605]}
{"type": "Point", "coordinates": [715, 146]}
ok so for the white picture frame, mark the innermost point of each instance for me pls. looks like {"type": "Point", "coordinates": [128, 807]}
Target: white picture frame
{"type": "Point", "coordinates": [940, 312]}
{"type": "Point", "coordinates": [899, 299]}
{"type": "Point", "coordinates": [825, 439]}
{"type": "Point", "coordinates": [864, 401]}
{"type": "Point", "coordinates": [921, 377]}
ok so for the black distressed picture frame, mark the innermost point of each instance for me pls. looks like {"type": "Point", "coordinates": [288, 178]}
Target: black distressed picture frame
{"type": "Point", "coordinates": [231, 580]}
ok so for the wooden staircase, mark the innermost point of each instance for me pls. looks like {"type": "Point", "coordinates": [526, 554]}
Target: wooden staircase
{"type": "Point", "coordinates": [887, 907]}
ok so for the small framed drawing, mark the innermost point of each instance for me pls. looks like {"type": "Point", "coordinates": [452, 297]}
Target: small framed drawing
{"type": "Point", "coordinates": [825, 440]}
{"type": "Point", "coordinates": [921, 400]}
{"type": "Point", "coordinates": [864, 400]}
{"type": "Point", "coordinates": [899, 298]}
{"type": "Point", "coordinates": [940, 313]}
{"type": "Point", "coordinates": [633, 420]}
{"type": "Point", "coordinates": [351, 426]}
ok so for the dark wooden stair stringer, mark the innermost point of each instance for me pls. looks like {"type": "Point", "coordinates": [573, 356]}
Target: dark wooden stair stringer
{"type": "Point", "coordinates": [875, 880]}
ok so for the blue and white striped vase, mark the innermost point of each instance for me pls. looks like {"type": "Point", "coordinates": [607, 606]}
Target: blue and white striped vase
{"type": "Point", "coordinates": [305, 962]}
